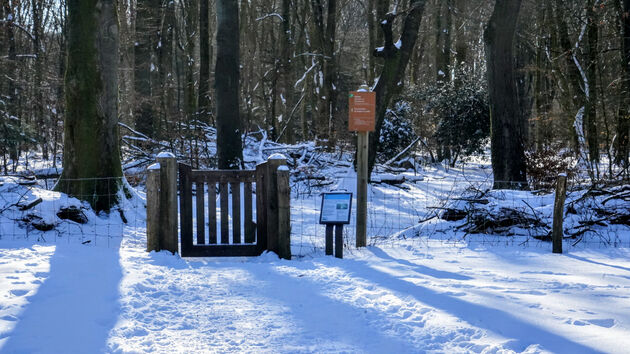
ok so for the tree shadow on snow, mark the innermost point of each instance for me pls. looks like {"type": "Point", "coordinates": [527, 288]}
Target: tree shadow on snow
{"type": "Point", "coordinates": [596, 262]}
{"type": "Point", "coordinates": [75, 308]}
{"type": "Point", "coordinates": [435, 273]}
{"type": "Point", "coordinates": [324, 319]}
{"type": "Point", "coordinates": [520, 334]}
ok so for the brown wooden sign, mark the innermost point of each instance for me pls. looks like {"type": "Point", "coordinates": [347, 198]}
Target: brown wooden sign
{"type": "Point", "coordinates": [362, 111]}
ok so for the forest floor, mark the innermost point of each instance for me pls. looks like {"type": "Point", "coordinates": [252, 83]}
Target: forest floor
{"type": "Point", "coordinates": [65, 298]}
{"type": "Point", "coordinates": [425, 283]}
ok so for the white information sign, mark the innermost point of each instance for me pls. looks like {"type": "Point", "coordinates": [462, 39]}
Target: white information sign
{"type": "Point", "coordinates": [335, 208]}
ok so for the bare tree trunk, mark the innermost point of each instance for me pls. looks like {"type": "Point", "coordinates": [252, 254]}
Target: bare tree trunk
{"type": "Point", "coordinates": [393, 73]}
{"type": "Point", "coordinates": [166, 69]}
{"type": "Point", "coordinates": [37, 11]}
{"type": "Point", "coordinates": [190, 96]}
{"type": "Point", "coordinates": [443, 26]}
{"type": "Point", "coordinates": [325, 39]}
{"type": "Point", "coordinates": [205, 111]}
{"type": "Point", "coordinates": [229, 147]}
{"type": "Point", "coordinates": [91, 158]}
{"type": "Point", "coordinates": [461, 44]}
{"type": "Point", "coordinates": [623, 118]}
{"type": "Point", "coordinates": [574, 92]}
{"type": "Point", "coordinates": [11, 74]}
{"type": "Point", "coordinates": [590, 116]}
{"type": "Point", "coordinates": [147, 27]}
{"type": "Point", "coordinates": [507, 136]}
{"type": "Point", "coordinates": [372, 29]}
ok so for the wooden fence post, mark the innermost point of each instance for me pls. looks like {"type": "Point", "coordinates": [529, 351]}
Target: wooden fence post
{"type": "Point", "coordinates": [362, 182]}
{"type": "Point", "coordinates": [168, 201]}
{"type": "Point", "coordinates": [153, 208]}
{"type": "Point", "coordinates": [261, 211]}
{"type": "Point", "coordinates": [284, 213]}
{"type": "Point", "coordinates": [271, 193]}
{"type": "Point", "coordinates": [558, 213]}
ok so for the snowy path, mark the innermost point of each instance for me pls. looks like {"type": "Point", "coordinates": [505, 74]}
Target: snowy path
{"type": "Point", "coordinates": [403, 298]}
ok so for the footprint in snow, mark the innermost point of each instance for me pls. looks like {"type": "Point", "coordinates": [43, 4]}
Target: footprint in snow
{"type": "Point", "coordinates": [19, 292]}
{"type": "Point", "coordinates": [602, 322]}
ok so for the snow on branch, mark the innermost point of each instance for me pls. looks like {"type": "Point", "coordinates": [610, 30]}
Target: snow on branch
{"type": "Point", "coordinates": [270, 15]}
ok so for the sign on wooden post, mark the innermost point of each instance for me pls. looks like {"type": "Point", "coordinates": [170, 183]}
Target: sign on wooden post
{"type": "Point", "coordinates": [334, 213]}
{"type": "Point", "coordinates": [362, 119]}
{"type": "Point", "coordinates": [361, 110]}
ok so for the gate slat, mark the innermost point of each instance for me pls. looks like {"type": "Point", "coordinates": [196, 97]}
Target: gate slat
{"type": "Point", "coordinates": [236, 212]}
{"type": "Point", "coordinates": [261, 212]}
{"type": "Point", "coordinates": [201, 220]}
{"type": "Point", "coordinates": [185, 202]}
{"type": "Point", "coordinates": [212, 213]}
{"type": "Point", "coordinates": [250, 236]}
{"type": "Point", "coordinates": [225, 226]}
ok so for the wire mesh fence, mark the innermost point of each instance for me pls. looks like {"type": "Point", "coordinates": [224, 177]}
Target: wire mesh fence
{"type": "Point", "coordinates": [446, 209]}
{"type": "Point", "coordinates": [33, 210]}
{"type": "Point", "coordinates": [460, 211]}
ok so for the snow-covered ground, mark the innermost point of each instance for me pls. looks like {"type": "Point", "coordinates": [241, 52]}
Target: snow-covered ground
{"type": "Point", "coordinates": [418, 287]}
{"type": "Point", "coordinates": [410, 297]}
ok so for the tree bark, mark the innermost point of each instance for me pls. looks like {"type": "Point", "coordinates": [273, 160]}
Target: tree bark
{"type": "Point", "coordinates": [507, 135]}
{"type": "Point", "coordinates": [166, 69]}
{"type": "Point", "coordinates": [11, 73]}
{"type": "Point", "coordinates": [325, 39]}
{"type": "Point", "coordinates": [147, 27]}
{"type": "Point", "coordinates": [205, 111]}
{"type": "Point", "coordinates": [573, 91]}
{"type": "Point", "coordinates": [190, 95]}
{"type": "Point", "coordinates": [590, 116]}
{"type": "Point", "coordinates": [623, 118]}
{"type": "Point", "coordinates": [229, 146]}
{"type": "Point", "coordinates": [443, 41]}
{"type": "Point", "coordinates": [36, 10]}
{"type": "Point", "coordinates": [390, 83]}
{"type": "Point", "coordinates": [92, 169]}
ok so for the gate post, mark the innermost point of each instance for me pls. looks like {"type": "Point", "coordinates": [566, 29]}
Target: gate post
{"type": "Point", "coordinates": [271, 201]}
{"type": "Point", "coordinates": [153, 208]}
{"type": "Point", "coordinates": [168, 202]}
{"type": "Point", "coordinates": [284, 213]}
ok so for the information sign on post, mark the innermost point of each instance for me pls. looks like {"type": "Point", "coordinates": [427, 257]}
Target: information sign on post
{"type": "Point", "coordinates": [362, 119]}
{"type": "Point", "coordinates": [336, 208]}
{"type": "Point", "coordinates": [362, 108]}
{"type": "Point", "coordinates": [335, 212]}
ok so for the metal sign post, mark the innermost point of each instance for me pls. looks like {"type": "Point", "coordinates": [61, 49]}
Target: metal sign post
{"type": "Point", "coordinates": [362, 119]}
{"type": "Point", "coordinates": [335, 212]}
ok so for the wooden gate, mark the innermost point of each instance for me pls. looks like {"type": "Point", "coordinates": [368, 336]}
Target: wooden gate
{"type": "Point", "coordinates": [208, 241]}
{"type": "Point", "coordinates": [216, 210]}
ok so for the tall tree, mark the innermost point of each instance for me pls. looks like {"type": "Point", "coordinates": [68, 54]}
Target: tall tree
{"type": "Point", "coordinates": [396, 57]}
{"type": "Point", "coordinates": [507, 127]}
{"type": "Point", "coordinates": [325, 39]}
{"type": "Point", "coordinates": [147, 27]}
{"type": "Point", "coordinates": [443, 24]}
{"type": "Point", "coordinates": [91, 159]}
{"type": "Point", "coordinates": [205, 58]}
{"type": "Point", "coordinates": [227, 74]}
{"type": "Point", "coordinates": [623, 117]}
{"type": "Point", "coordinates": [592, 57]}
